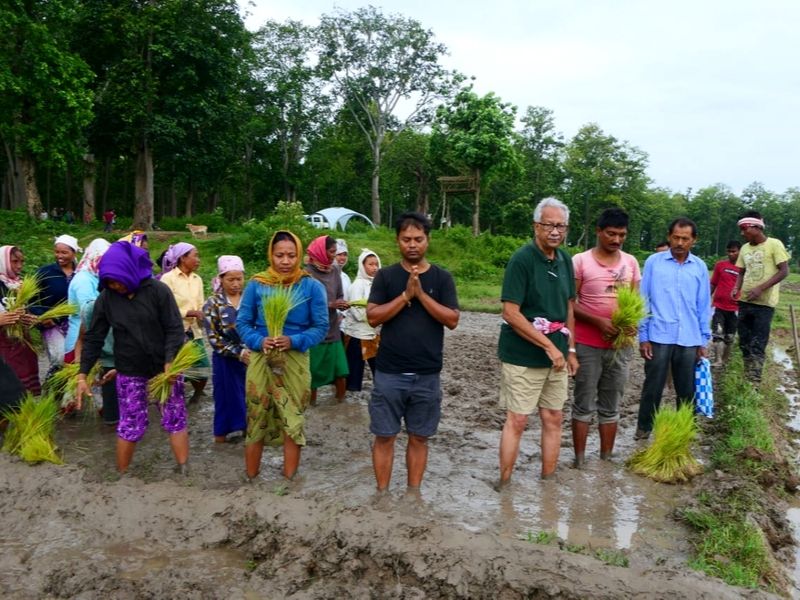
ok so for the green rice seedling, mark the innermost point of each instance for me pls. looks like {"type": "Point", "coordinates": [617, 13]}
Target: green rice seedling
{"type": "Point", "coordinates": [669, 458]}
{"type": "Point", "coordinates": [19, 299]}
{"type": "Point", "coordinates": [630, 311]}
{"type": "Point", "coordinates": [360, 303]}
{"type": "Point", "coordinates": [276, 306]}
{"type": "Point", "coordinates": [64, 382]}
{"type": "Point", "coordinates": [31, 428]}
{"type": "Point", "coordinates": [59, 311]}
{"type": "Point", "coordinates": [160, 385]}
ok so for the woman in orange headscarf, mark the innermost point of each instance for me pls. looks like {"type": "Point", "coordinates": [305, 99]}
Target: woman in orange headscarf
{"type": "Point", "coordinates": [277, 392]}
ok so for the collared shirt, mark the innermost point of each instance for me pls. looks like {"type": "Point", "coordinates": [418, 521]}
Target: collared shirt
{"type": "Point", "coordinates": [541, 287]}
{"type": "Point", "coordinates": [188, 292]}
{"type": "Point", "coordinates": [678, 301]}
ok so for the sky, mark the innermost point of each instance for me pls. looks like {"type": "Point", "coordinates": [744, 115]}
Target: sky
{"type": "Point", "coordinates": [709, 89]}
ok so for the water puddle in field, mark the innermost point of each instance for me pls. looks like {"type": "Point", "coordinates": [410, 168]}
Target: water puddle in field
{"type": "Point", "coordinates": [788, 385]}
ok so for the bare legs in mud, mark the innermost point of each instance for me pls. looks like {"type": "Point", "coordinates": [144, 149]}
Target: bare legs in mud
{"type": "Point", "coordinates": [178, 441]}
{"type": "Point", "coordinates": [383, 459]}
{"type": "Point", "coordinates": [291, 458]}
{"type": "Point", "coordinates": [512, 433]}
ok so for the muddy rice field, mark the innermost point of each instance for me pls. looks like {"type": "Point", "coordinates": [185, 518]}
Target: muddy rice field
{"type": "Point", "coordinates": [79, 531]}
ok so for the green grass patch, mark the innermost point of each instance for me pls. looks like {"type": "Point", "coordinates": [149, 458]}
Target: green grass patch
{"type": "Point", "coordinates": [541, 537]}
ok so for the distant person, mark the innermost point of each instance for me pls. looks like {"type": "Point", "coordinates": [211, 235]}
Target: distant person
{"type": "Point", "coordinates": [137, 237]}
{"type": "Point", "coordinates": [360, 338]}
{"type": "Point", "coordinates": [148, 332]}
{"type": "Point", "coordinates": [328, 360]}
{"type": "Point", "coordinates": [764, 263]}
{"type": "Point", "coordinates": [341, 260]}
{"type": "Point", "coordinates": [537, 343]}
{"type": "Point", "coordinates": [69, 217]}
{"type": "Point", "coordinates": [724, 321]}
{"type": "Point", "coordinates": [676, 330]}
{"type": "Point", "coordinates": [600, 382]}
{"type": "Point", "coordinates": [109, 218]}
{"type": "Point", "coordinates": [413, 300]}
{"type": "Point", "coordinates": [662, 246]}
{"type": "Point", "coordinates": [230, 356]}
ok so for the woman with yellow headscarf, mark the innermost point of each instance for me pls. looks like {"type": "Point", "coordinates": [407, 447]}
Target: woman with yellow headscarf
{"type": "Point", "coordinates": [277, 397]}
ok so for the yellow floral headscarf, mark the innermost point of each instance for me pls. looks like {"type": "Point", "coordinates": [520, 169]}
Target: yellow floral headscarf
{"type": "Point", "coordinates": [271, 276]}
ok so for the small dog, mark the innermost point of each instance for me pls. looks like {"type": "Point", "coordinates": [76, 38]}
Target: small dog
{"type": "Point", "coordinates": [197, 229]}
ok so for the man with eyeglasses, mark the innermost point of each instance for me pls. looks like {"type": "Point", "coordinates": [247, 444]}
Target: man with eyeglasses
{"type": "Point", "coordinates": [537, 344]}
{"type": "Point", "coordinates": [677, 329]}
{"type": "Point", "coordinates": [764, 263]}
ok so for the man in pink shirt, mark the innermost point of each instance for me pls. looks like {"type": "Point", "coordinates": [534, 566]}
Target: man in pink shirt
{"type": "Point", "coordinates": [724, 321]}
{"type": "Point", "coordinates": [600, 382]}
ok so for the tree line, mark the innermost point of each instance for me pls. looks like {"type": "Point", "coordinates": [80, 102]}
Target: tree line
{"type": "Point", "coordinates": [171, 108]}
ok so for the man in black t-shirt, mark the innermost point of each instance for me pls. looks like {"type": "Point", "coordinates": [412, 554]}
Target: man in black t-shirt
{"type": "Point", "coordinates": [413, 300]}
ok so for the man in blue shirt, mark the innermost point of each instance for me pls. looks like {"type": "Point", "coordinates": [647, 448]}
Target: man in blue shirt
{"type": "Point", "coordinates": [676, 331]}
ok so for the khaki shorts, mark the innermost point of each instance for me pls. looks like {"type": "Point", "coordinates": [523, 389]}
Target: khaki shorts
{"type": "Point", "coordinates": [524, 389]}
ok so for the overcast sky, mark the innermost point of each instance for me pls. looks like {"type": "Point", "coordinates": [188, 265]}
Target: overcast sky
{"type": "Point", "coordinates": [710, 90]}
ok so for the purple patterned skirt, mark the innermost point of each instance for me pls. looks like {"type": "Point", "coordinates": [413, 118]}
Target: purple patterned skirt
{"type": "Point", "coordinates": [132, 396]}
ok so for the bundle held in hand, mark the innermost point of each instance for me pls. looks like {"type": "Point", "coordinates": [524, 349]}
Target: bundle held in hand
{"type": "Point", "coordinates": [630, 311]}
{"type": "Point", "coordinates": [276, 306]}
{"type": "Point", "coordinates": [159, 386]}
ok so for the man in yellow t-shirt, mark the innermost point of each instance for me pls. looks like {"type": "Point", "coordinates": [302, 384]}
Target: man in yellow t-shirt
{"type": "Point", "coordinates": [764, 263]}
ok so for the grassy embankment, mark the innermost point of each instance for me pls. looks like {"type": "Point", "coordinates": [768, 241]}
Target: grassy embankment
{"type": "Point", "coordinates": [733, 512]}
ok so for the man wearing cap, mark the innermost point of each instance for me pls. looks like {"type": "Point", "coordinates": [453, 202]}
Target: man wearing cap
{"type": "Point", "coordinates": [341, 261]}
{"type": "Point", "coordinates": [764, 263]}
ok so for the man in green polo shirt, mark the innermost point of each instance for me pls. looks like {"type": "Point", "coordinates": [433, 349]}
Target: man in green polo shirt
{"type": "Point", "coordinates": [537, 343]}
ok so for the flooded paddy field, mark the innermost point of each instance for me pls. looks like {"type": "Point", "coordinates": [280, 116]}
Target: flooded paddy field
{"type": "Point", "coordinates": [78, 531]}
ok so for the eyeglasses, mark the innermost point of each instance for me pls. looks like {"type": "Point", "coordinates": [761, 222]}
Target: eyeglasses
{"type": "Point", "coordinates": [548, 227]}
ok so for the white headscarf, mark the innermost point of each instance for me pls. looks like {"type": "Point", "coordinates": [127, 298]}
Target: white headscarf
{"type": "Point", "coordinates": [91, 258]}
{"type": "Point", "coordinates": [70, 241]}
{"type": "Point", "coordinates": [362, 272]}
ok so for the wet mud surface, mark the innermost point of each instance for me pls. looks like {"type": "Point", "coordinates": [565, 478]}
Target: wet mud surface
{"type": "Point", "coordinates": [79, 531]}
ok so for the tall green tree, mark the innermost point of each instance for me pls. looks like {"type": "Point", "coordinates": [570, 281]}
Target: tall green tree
{"type": "Point", "coordinates": [541, 149]}
{"type": "Point", "coordinates": [386, 68]}
{"type": "Point", "coordinates": [169, 78]}
{"type": "Point", "coordinates": [476, 133]}
{"type": "Point", "coordinates": [45, 100]}
{"type": "Point", "coordinates": [714, 209]}
{"type": "Point", "coordinates": [601, 171]}
{"type": "Point", "coordinates": [295, 103]}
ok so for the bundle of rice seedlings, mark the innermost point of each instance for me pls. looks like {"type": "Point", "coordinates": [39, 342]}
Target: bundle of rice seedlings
{"type": "Point", "coordinates": [669, 458]}
{"type": "Point", "coordinates": [59, 311]}
{"type": "Point", "coordinates": [630, 311]}
{"type": "Point", "coordinates": [31, 428]}
{"type": "Point", "coordinates": [160, 385]}
{"type": "Point", "coordinates": [64, 382]}
{"type": "Point", "coordinates": [276, 306]}
{"type": "Point", "coordinates": [19, 299]}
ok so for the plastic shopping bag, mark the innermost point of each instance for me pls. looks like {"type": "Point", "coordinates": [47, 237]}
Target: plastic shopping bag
{"type": "Point", "coordinates": [703, 388]}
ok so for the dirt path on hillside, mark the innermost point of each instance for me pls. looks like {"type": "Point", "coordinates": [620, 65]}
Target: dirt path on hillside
{"type": "Point", "coordinates": [77, 532]}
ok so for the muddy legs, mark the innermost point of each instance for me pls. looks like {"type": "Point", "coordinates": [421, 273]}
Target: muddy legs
{"type": "Point", "coordinates": [382, 460]}
{"type": "Point", "coordinates": [551, 440]}
{"type": "Point", "coordinates": [509, 444]}
{"type": "Point", "coordinates": [252, 458]}
{"type": "Point", "coordinates": [580, 431]}
{"type": "Point", "coordinates": [608, 434]}
{"type": "Point", "coordinates": [124, 454]}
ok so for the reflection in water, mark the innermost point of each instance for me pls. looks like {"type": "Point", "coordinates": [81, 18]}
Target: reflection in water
{"type": "Point", "coordinates": [793, 515]}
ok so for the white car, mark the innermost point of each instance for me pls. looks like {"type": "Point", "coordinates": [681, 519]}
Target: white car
{"type": "Point", "coordinates": [318, 221]}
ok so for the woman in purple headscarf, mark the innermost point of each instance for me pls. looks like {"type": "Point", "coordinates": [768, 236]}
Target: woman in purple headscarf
{"type": "Point", "coordinates": [148, 332]}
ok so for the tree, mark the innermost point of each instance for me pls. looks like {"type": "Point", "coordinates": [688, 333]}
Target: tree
{"type": "Point", "coordinates": [714, 209]}
{"type": "Point", "coordinates": [541, 150]}
{"type": "Point", "coordinates": [476, 132]}
{"type": "Point", "coordinates": [294, 103]}
{"type": "Point", "coordinates": [45, 101]}
{"type": "Point", "coordinates": [377, 61]}
{"type": "Point", "coordinates": [601, 171]}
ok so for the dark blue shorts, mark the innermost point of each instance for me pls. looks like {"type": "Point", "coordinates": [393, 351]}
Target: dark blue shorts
{"type": "Point", "coordinates": [417, 399]}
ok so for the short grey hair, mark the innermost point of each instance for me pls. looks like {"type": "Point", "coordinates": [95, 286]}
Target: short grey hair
{"type": "Point", "coordinates": [550, 202]}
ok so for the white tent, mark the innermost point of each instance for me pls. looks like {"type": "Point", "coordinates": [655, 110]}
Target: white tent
{"type": "Point", "coordinates": [338, 217]}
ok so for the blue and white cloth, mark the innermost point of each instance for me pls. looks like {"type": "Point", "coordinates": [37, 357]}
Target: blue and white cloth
{"type": "Point", "coordinates": [704, 388]}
